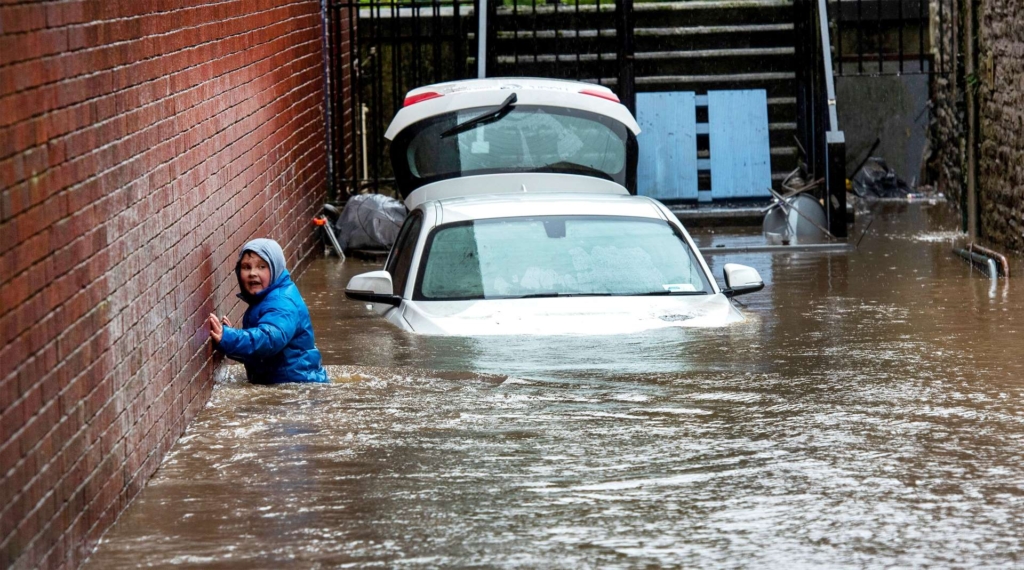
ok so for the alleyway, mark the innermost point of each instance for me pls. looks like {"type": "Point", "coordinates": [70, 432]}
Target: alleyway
{"type": "Point", "coordinates": [869, 413]}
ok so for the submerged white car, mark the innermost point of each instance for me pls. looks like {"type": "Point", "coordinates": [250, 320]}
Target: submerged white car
{"type": "Point", "coordinates": [522, 220]}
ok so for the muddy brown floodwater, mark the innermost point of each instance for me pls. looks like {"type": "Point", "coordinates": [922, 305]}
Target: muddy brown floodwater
{"type": "Point", "coordinates": [869, 412]}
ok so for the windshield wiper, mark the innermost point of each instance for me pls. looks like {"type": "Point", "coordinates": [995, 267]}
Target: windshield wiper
{"type": "Point", "coordinates": [488, 117]}
{"type": "Point", "coordinates": [553, 294]}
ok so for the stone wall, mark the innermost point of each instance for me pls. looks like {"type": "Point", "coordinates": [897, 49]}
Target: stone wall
{"type": "Point", "coordinates": [1001, 110]}
{"type": "Point", "coordinates": [999, 87]}
{"type": "Point", "coordinates": [141, 144]}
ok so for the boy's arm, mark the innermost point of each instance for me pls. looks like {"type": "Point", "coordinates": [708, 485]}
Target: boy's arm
{"type": "Point", "coordinates": [270, 335]}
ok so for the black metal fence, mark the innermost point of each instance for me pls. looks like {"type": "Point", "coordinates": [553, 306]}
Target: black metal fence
{"type": "Point", "coordinates": [380, 49]}
{"type": "Point", "coordinates": [888, 37]}
{"type": "Point", "coordinates": [377, 50]}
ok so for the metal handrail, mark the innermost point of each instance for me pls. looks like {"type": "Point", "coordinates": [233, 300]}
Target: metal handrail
{"type": "Point", "coordinates": [826, 51]}
{"type": "Point", "coordinates": [823, 143]}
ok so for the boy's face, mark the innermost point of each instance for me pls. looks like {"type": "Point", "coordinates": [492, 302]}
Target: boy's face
{"type": "Point", "coordinates": [255, 273]}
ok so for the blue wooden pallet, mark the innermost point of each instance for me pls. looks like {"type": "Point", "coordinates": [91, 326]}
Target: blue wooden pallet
{"type": "Point", "coordinates": [739, 149]}
{"type": "Point", "coordinates": [667, 166]}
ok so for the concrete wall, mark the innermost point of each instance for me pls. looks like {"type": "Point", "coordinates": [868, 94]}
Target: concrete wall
{"type": "Point", "coordinates": [999, 84]}
{"type": "Point", "coordinates": [141, 144]}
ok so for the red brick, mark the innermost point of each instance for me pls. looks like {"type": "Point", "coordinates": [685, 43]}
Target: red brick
{"type": "Point", "coordinates": [216, 144]}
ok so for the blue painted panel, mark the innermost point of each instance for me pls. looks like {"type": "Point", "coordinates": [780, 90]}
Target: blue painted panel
{"type": "Point", "coordinates": [668, 145]}
{"type": "Point", "coordinates": [739, 147]}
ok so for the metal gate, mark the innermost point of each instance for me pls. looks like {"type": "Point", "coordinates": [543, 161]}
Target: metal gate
{"type": "Point", "coordinates": [377, 50]}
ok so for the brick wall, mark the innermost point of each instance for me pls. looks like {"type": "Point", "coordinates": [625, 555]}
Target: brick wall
{"type": "Point", "coordinates": [999, 84]}
{"type": "Point", "coordinates": [141, 144]}
{"type": "Point", "coordinates": [342, 31]}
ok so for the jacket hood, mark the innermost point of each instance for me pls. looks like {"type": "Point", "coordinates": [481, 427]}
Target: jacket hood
{"type": "Point", "coordinates": [272, 253]}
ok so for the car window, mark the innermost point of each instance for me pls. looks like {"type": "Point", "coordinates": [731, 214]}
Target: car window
{"type": "Point", "coordinates": [400, 259]}
{"type": "Point", "coordinates": [558, 255]}
{"type": "Point", "coordinates": [529, 138]}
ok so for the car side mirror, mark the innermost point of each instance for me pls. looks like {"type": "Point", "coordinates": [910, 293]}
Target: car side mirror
{"type": "Point", "coordinates": [740, 280]}
{"type": "Point", "coordinates": [373, 287]}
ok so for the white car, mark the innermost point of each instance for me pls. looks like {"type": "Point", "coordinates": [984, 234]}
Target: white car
{"type": "Point", "coordinates": [522, 220]}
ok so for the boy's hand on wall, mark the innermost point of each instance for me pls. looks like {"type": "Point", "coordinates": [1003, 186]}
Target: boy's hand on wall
{"type": "Point", "coordinates": [216, 331]}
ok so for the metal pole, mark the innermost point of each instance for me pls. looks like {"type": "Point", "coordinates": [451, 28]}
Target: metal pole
{"type": "Point", "coordinates": [624, 35]}
{"type": "Point", "coordinates": [481, 39]}
{"type": "Point", "coordinates": [971, 88]}
{"type": "Point", "coordinates": [330, 129]}
{"type": "Point", "coordinates": [835, 183]}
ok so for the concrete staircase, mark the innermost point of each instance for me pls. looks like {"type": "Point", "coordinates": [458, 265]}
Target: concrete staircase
{"type": "Point", "coordinates": [679, 46]}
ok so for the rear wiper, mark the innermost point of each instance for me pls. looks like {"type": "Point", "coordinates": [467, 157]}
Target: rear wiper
{"type": "Point", "coordinates": [488, 117]}
{"type": "Point", "coordinates": [652, 293]}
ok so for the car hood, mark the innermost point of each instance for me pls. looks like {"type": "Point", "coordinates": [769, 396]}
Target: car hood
{"type": "Point", "coordinates": [568, 315]}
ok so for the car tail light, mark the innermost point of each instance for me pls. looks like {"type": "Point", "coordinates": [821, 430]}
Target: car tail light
{"type": "Point", "coordinates": [602, 94]}
{"type": "Point", "coordinates": [413, 99]}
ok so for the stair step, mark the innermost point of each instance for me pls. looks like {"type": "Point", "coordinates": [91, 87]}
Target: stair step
{"type": "Point", "coordinates": [609, 33]}
{"type": "Point", "coordinates": [710, 30]}
{"type": "Point", "coordinates": [709, 5]}
{"type": "Point", "coordinates": [706, 79]}
{"type": "Point", "coordinates": [709, 53]}
{"type": "Point", "coordinates": [648, 56]}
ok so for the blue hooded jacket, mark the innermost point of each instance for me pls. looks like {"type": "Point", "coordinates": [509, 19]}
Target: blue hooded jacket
{"type": "Point", "coordinates": [276, 341]}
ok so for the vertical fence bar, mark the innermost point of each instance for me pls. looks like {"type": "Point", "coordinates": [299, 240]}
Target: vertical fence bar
{"type": "Point", "coordinates": [436, 34]}
{"type": "Point", "coordinates": [577, 42]}
{"type": "Point", "coordinates": [839, 33]}
{"type": "Point", "coordinates": [397, 85]}
{"type": "Point", "coordinates": [557, 44]}
{"type": "Point", "coordinates": [492, 38]}
{"type": "Point", "coordinates": [860, 37]}
{"type": "Point", "coordinates": [355, 61]}
{"type": "Point", "coordinates": [920, 36]}
{"type": "Point", "coordinates": [899, 33]}
{"type": "Point", "coordinates": [460, 58]}
{"type": "Point", "coordinates": [879, 34]}
{"type": "Point", "coordinates": [515, 37]}
{"type": "Point", "coordinates": [378, 100]}
{"type": "Point", "coordinates": [416, 44]}
{"type": "Point", "coordinates": [624, 35]}
{"type": "Point", "coordinates": [533, 22]}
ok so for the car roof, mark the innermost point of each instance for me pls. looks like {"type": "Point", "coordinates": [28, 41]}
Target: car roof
{"type": "Point", "coordinates": [512, 183]}
{"type": "Point", "coordinates": [440, 98]}
{"type": "Point", "coordinates": [466, 208]}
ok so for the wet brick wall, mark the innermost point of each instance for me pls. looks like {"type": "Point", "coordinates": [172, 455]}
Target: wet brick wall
{"type": "Point", "coordinates": [999, 84]}
{"type": "Point", "coordinates": [141, 144]}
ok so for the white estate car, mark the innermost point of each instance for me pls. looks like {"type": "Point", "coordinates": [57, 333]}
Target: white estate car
{"type": "Point", "coordinates": [522, 220]}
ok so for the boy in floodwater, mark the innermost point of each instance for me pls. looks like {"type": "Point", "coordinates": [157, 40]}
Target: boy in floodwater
{"type": "Point", "coordinates": [276, 341]}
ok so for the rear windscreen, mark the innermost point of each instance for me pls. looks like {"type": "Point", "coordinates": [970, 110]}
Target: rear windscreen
{"type": "Point", "coordinates": [525, 138]}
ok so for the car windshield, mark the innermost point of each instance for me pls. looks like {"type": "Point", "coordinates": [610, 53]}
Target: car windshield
{"type": "Point", "coordinates": [521, 138]}
{"type": "Point", "coordinates": [554, 256]}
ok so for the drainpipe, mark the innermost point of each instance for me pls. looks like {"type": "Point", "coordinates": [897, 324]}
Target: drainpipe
{"type": "Point", "coordinates": [971, 87]}
{"type": "Point", "coordinates": [329, 125]}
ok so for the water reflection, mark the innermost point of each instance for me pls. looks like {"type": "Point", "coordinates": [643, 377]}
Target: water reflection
{"type": "Point", "coordinates": [868, 413]}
